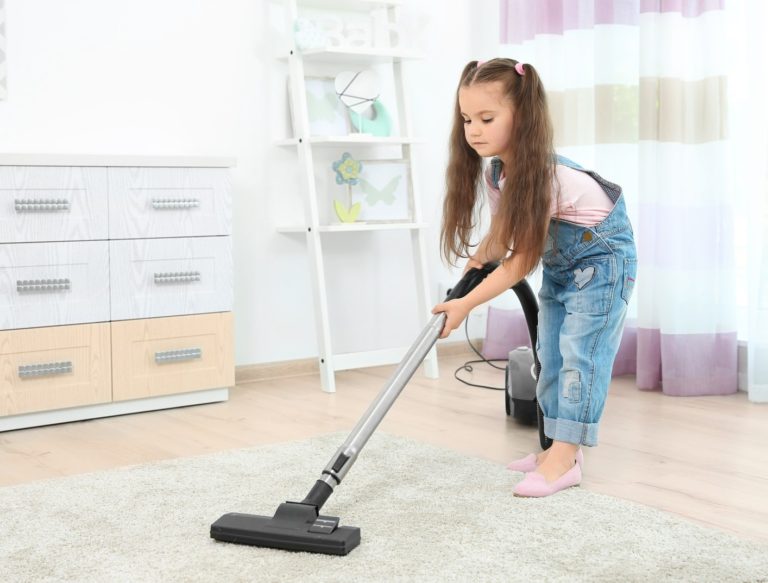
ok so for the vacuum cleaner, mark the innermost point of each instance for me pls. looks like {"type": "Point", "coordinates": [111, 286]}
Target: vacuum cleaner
{"type": "Point", "coordinates": [523, 368]}
{"type": "Point", "coordinates": [299, 526]}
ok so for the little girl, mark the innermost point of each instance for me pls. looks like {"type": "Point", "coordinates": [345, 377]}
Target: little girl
{"type": "Point", "coordinates": [543, 207]}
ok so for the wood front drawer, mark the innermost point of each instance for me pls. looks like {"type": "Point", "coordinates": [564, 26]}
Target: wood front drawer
{"type": "Point", "coordinates": [54, 368]}
{"type": "Point", "coordinates": [170, 277]}
{"type": "Point", "coordinates": [169, 202]}
{"type": "Point", "coordinates": [49, 284]}
{"type": "Point", "coordinates": [49, 203]}
{"type": "Point", "coordinates": [162, 356]}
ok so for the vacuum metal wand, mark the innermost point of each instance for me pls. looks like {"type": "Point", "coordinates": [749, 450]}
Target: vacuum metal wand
{"type": "Point", "coordinates": [346, 455]}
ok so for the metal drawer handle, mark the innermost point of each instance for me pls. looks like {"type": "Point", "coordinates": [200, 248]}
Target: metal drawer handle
{"type": "Point", "coordinates": [40, 205]}
{"type": "Point", "coordinates": [178, 355]}
{"type": "Point", "coordinates": [177, 277]}
{"type": "Point", "coordinates": [47, 369]}
{"type": "Point", "coordinates": [174, 203]}
{"type": "Point", "coordinates": [42, 285]}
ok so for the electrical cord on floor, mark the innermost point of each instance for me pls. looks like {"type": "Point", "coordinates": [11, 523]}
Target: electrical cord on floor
{"type": "Point", "coordinates": [467, 366]}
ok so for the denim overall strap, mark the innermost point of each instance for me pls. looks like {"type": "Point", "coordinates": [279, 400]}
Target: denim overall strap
{"type": "Point", "coordinates": [612, 190]}
{"type": "Point", "coordinates": [496, 166]}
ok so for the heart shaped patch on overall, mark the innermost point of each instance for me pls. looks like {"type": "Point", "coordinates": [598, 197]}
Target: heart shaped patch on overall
{"type": "Point", "coordinates": [583, 276]}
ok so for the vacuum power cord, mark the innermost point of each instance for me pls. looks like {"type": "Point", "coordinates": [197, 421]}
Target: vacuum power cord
{"type": "Point", "coordinates": [467, 366]}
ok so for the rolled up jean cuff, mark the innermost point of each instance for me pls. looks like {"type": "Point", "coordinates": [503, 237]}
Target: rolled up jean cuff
{"type": "Point", "coordinates": [571, 431]}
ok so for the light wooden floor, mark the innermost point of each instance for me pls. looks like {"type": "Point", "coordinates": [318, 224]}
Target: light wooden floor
{"type": "Point", "coordinates": [704, 458]}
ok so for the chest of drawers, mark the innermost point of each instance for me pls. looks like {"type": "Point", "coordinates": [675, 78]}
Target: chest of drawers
{"type": "Point", "coordinates": [115, 285]}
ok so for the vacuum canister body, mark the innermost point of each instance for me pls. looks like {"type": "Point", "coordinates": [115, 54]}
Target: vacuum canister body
{"type": "Point", "coordinates": [520, 386]}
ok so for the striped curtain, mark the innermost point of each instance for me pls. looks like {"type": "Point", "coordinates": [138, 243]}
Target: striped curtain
{"type": "Point", "coordinates": [748, 181]}
{"type": "Point", "coordinates": [637, 91]}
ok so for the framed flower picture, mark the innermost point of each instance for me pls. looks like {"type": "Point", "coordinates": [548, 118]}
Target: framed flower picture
{"type": "Point", "coordinates": [383, 190]}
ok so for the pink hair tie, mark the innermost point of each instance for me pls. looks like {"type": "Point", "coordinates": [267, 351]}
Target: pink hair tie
{"type": "Point", "coordinates": [519, 69]}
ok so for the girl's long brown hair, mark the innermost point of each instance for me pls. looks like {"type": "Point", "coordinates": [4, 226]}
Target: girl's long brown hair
{"type": "Point", "coordinates": [524, 207]}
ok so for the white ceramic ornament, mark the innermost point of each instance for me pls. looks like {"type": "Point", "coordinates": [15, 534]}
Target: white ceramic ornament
{"type": "Point", "coordinates": [357, 89]}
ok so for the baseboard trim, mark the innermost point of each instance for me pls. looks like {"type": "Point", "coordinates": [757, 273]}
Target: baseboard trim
{"type": "Point", "coordinates": [250, 373]}
{"type": "Point", "coordinates": [112, 409]}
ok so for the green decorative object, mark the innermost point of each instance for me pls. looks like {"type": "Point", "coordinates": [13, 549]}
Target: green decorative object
{"type": "Point", "coordinates": [347, 215]}
{"type": "Point", "coordinates": [347, 171]}
{"type": "Point", "coordinates": [379, 125]}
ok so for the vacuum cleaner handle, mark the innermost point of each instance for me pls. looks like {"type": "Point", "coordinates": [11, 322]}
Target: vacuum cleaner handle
{"type": "Point", "coordinates": [523, 292]}
{"type": "Point", "coordinates": [470, 281]}
{"type": "Point", "coordinates": [347, 454]}
{"type": "Point", "coordinates": [530, 307]}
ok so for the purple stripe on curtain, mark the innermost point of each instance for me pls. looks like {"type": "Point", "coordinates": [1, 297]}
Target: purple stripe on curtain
{"type": "Point", "coordinates": [522, 20]}
{"type": "Point", "coordinates": [687, 364]}
{"type": "Point", "coordinates": [688, 8]}
{"type": "Point", "coordinates": [503, 20]}
{"type": "Point", "coordinates": [612, 11]}
{"type": "Point", "coordinates": [703, 239]}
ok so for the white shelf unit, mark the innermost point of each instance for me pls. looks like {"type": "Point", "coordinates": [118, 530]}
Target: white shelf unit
{"type": "Point", "coordinates": [329, 361]}
{"type": "Point", "coordinates": [348, 56]}
{"type": "Point", "coordinates": [355, 227]}
{"type": "Point", "coordinates": [351, 140]}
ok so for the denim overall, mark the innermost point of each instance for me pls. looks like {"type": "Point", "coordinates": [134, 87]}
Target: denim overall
{"type": "Point", "coordinates": [587, 280]}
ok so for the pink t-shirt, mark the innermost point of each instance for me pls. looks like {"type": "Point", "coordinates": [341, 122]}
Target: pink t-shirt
{"type": "Point", "coordinates": [582, 200]}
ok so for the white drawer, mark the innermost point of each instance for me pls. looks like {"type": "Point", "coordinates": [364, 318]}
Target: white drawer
{"type": "Point", "coordinates": [169, 202]}
{"type": "Point", "coordinates": [170, 277]}
{"type": "Point", "coordinates": [49, 284]}
{"type": "Point", "coordinates": [51, 203]}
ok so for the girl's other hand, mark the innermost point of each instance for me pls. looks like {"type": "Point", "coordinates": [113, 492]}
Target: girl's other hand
{"type": "Point", "coordinates": [455, 311]}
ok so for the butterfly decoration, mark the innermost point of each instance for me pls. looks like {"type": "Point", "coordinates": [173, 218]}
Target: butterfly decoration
{"type": "Point", "coordinates": [322, 108]}
{"type": "Point", "coordinates": [385, 194]}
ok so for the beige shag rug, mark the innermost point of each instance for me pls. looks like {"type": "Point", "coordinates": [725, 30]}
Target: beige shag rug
{"type": "Point", "coordinates": [426, 514]}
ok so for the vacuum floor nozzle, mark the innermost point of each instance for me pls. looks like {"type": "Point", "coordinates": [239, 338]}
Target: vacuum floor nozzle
{"type": "Point", "coordinates": [294, 527]}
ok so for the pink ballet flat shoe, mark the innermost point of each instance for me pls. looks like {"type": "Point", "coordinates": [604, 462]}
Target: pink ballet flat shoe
{"type": "Point", "coordinates": [528, 463]}
{"type": "Point", "coordinates": [534, 485]}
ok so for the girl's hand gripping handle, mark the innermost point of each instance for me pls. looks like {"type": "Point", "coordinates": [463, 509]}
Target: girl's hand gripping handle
{"type": "Point", "coordinates": [454, 308]}
{"type": "Point", "coordinates": [455, 311]}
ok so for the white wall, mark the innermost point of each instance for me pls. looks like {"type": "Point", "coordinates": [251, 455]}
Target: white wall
{"type": "Point", "coordinates": [199, 77]}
